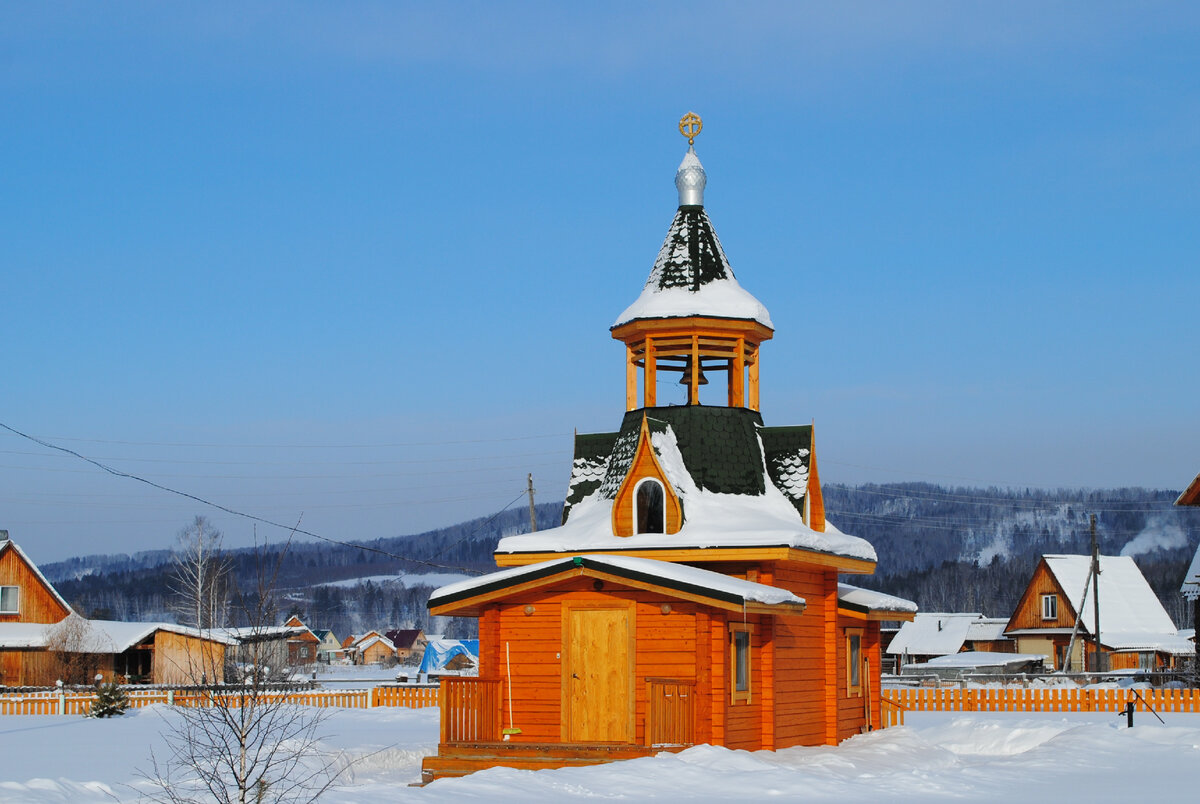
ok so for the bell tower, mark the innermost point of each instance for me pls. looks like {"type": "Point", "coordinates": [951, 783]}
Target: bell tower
{"type": "Point", "coordinates": [692, 320]}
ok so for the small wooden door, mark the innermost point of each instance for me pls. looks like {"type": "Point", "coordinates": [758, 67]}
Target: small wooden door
{"type": "Point", "coordinates": [598, 674]}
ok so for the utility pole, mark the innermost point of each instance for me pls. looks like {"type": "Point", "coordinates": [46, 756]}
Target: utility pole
{"type": "Point", "coordinates": [1098, 664]}
{"type": "Point", "coordinates": [532, 514]}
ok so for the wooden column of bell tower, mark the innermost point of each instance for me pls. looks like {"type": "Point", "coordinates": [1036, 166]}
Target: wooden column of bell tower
{"type": "Point", "coordinates": [693, 347]}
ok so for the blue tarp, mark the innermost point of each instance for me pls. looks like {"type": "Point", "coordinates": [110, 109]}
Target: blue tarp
{"type": "Point", "coordinates": [440, 651]}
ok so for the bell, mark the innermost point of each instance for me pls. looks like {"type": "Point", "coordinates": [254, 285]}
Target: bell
{"type": "Point", "coordinates": [686, 379]}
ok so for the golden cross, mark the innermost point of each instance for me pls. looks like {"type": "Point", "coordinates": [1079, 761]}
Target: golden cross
{"type": "Point", "coordinates": [690, 125]}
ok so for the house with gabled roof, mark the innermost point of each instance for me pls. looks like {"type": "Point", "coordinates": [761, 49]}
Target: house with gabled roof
{"type": "Point", "coordinates": [1136, 631]}
{"type": "Point", "coordinates": [691, 593]}
{"type": "Point", "coordinates": [933, 634]}
{"type": "Point", "coordinates": [42, 638]}
{"type": "Point", "coordinates": [410, 644]}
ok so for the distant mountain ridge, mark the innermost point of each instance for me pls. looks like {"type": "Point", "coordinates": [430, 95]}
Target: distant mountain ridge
{"type": "Point", "coordinates": [949, 549]}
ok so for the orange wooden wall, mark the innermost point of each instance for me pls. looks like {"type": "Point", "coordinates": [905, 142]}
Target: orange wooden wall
{"type": "Point", "coordinates": [37, 604]}
{"type": "Point", "coordinates": [801, 646]}
{"type": "Point", "coordinates": [665, 648]}
{"type": "Point", "coordinates": [1029, 610]}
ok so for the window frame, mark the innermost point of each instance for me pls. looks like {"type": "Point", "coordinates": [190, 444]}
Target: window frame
{"type": "Point", "coordinates": [637, 519]}
{"type": "Point", "coordinates": [1050, 604]}
{"type": "Point", "coordinates": [737, 651]}
{"type": "Point", "coordinates": [854, 661]}
{"type": "Point", "coordinates": [16, 596]}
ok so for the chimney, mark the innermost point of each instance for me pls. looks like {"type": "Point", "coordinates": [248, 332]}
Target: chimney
{"type": "Point", "coordinates": [3, 535]}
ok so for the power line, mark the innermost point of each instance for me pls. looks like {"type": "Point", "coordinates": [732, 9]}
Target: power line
{"type": "Point", "coordinates": [252, 517]}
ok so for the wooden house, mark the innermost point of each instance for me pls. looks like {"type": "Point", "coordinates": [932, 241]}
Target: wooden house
{"type": "Point", "coordinates": [933, 634]}
{"type": "Point", "coordinates": [410, 644]}
{"type": "Point", "coordinates": [329, 647]}
{"type": "Point", "coordinates": [1136, 631]}
{"type": "Point", "coordinates": [302, 643]}
{"type": "Point", "coordinates": [691, 593]}
{"type": "Point", "coordinates": [42, 640]}
{"type": "Point", "coordinates": [1190, 588]}
{"type": "Point", "coordinates": [374, 648]}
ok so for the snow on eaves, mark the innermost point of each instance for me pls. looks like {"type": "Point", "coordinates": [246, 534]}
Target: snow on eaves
{"type": "Point", "coordinates": [872, 600]}
{"type": "Point", "coordinates": [722, 299]}
{"type": "Point", "coordinates": [668, 571]}
{"type": "Point", "coordinates": [710, 520]}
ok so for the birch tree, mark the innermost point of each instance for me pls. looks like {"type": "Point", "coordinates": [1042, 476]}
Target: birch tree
{"type": "Point", "coordinates": [199, 580]}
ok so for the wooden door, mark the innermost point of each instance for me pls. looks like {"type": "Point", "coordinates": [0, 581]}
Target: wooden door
{"type": "Point", "coordinates": [598, 674]}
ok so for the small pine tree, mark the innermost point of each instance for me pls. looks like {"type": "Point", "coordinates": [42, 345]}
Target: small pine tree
{"type": "Point", "coordinates": [110, 700]}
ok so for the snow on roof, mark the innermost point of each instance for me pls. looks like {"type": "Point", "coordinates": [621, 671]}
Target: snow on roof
{"type": "Point", "coordinates": [387, 643]}
{"type": "Point", "coordinates": [1129, 609]}
{"type": "Point", "coordinates": [1173, 642]}
{"type": "Point", "coordinates": [692, 277]}
{"type": "Point", "coordinates": [252, 633]}
{"type": "Point", "coordinates": [872, 600]}
{"type": "Point", "coordinates": [99, 636]}
{"type": "Point", "coordinates": [723, 299]}
{"type": "Point", "coordinates": [932, 634]}
{"type": "Point", "coordinates": [1191, 579]}
{"type": "Point", "coordinates": [710, 520]}
{"type": "Point", "coordinates": [747, 591]}
{"type": "Point", "coordinates": [976, 658]}
{"type": "Point", "coordinates": [986, 629]}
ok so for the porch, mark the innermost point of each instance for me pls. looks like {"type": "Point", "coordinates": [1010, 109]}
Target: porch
{"type": "Point", "coordinates": [473, 736]}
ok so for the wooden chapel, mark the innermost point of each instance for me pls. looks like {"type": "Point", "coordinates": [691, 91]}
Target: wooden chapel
{"type": "Point", "coordinates": [691, 594]}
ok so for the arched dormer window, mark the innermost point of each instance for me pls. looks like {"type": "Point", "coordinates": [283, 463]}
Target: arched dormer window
{"type": "Point", "coordinates": [650, 513]}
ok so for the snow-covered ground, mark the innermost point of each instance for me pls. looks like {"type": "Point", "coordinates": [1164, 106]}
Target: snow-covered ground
{"type": "Point", "coordinates": [936, 757]}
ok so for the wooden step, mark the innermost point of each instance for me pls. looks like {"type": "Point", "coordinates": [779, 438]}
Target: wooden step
{"type": "Point", "coordinates": [460, 759]}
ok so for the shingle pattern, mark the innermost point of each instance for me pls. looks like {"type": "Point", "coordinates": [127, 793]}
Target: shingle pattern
{"type": "Point", "coordinates": [788, 453]}
{"type": "Point", "coordinates": [691, 255]}
{"type": "Point", "coordinates": [723, 449]}
{"type": "Point", "coordinates": [592, 451]}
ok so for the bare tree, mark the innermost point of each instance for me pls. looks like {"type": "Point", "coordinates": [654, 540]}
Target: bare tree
{"type": "Point", "coordinates": [248, 740]}
{"type": "Point", "coordinates": [200, 577]}
{"type": "Point", "coordinates": [74, 650]}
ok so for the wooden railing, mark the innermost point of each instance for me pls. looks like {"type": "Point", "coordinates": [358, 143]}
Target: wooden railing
{"type": "Point", "coordinates": [893, 713]}
{"type": "Point", "coordinates": [670, 714]}
{"type": "Point", "coordinates": [470, 710]}
{"type": "Point", "coordinates": [1045, 699]}
{"type": "Point", "coordinates": [78, 702]}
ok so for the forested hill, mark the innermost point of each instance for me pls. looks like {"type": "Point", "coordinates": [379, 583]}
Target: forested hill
{"type": "Point", "coordinates": [949, 549]}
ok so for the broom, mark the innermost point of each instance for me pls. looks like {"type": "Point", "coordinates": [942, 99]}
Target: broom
{"type": "Point", "coordinates": [511, 730]}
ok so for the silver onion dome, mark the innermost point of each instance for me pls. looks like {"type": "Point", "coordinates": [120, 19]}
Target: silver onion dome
{"type": "Point", "coordinates": [690, 180]}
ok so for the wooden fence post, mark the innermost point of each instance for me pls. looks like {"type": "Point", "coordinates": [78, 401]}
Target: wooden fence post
{"type": "Point", "coordinates": [170, 697]}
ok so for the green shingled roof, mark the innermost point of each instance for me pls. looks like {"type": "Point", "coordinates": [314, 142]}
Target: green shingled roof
{"type": "Point", "coordinates": [724, 451]}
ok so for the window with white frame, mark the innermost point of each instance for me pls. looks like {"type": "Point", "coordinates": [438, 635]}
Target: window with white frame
{"type": "Point", "coordinates": [10, 599]}
{"type": "Point", "coordinates": [1049, 607]}
{"type": "Point", "coordinates": [650, 509]}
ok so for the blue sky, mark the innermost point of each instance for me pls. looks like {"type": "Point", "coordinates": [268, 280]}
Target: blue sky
{"type": "Point", "coordinates": [354, 265]}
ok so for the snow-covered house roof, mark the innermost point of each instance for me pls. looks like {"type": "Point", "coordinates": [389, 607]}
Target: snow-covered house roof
{"type": "Point", "coordinates": [99, 636]}
{"type": "Point", "coordinates": [691, 275]}
{"type": "Point", "coordinates": [260, 633]}
{"type": "Point", "coordinates": [739, 484]}
{"type": "Point", "coordinates": [715, 587]}
{"type": "Point", "coordinates": [933, 634]}
{"type": "Point", "coordinates": [374, 639]}
{"type": "Point", "coordinates": [1131, 616]}
{"type": "Point", "coordinates": [987, 629]}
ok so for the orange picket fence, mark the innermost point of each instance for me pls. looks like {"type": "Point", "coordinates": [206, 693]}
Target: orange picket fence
{"type": "Point", "coordinates": [1041, 699]}
{"type": "Point", "coordinates": [54, 702]}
